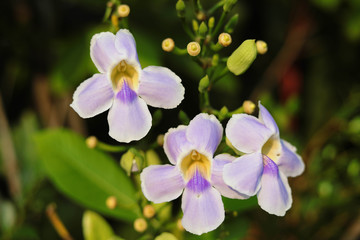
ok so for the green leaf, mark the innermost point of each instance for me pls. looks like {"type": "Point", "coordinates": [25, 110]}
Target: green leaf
{"type": "Point", "coordinates": [95, 227]}
{"type": "Point", "coordinates": [241, 59]}
{"type": "Point", "coordinates": [88, 176]}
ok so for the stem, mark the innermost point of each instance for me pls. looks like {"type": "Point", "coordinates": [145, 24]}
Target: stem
{"type": "Point", "coordinates": [215, 7]}
{"type": "Point", "coordinates": [187, 29]}
{"type": "Point", "coordinates": [57, 223]}
{"type": "Point", "coordinates": [179, 51]}
{"type": "Point", "coordinates": [111, 148]}
{"type": "Point", "coordinates": [220, 23]}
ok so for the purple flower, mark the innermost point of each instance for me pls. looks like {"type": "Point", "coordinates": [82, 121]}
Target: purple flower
{"type": "Point", "coordinates": [124, 88]}
{"type": "Point", "coordinates": [190, 151]}
{"type": "Point", "coordinates": [267, 162]}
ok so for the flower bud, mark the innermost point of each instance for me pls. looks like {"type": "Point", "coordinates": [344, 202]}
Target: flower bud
{"type": "Point", "coordinates": [123, 10]}
{"type": "Point", "coordinates": [261, 47]}
{"type": "Point", "coordinates": [204, 84]}
{"type": "Point", "coordinates": [115, 20]}
{"type": "Point", "coordinates": [224, 39]}
{"type": "Point", "coordinates": [149, 211]}
{"type": "Point", "coordinates": [111, 202]}
{"type": "Point", "coordinates": [211, 22]}
{"type": "Point", "coordinates": [168, 44]}
{"type": "Point", "coordinates": [248, 106]}
{"type": "Point", "coordinates": [215, 60]}
{"type": "Point", "coordinates": [193, 48]}
{"type": "Point", "coordinates": [228, 5]}
{"type": "Point", "coordinates": [180, 8]}
{"type": "Point", "coordinates": [179, 225]}
{"type": "Point", "coordinates": [160, 139]}
{"type": "Point", "coordinates": [140, 225]}
{"type": "Point", "coordinates": [223, 112]}
{"type": "Point", "coordinates": [203, 29]}
{"type": "Point", "coordinates": [195, 25]}
{"type": "Point", "coordinates": [91, 142]}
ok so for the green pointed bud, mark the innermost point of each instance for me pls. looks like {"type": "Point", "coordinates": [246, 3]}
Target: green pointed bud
{"type": "Point", "coordinates": [152, 158]}
{"type": "Point", "coordinates": [166, 236]}
{"type": "Point", "coordinates": [180, 8]}
{"type": "Point", "coordinates": [163, 211]}
{"type": "Point", "coordinates": [228, 5]}
{"type": "Point", "coordinates": [231, 24]}
{"type": "Point", "coordinates": [95, 226]}
{"type": "Point", "coordinates": [183, 117]}
{"type": "Point", "coordinates": [223, 112]}
{"type": "Point", "coordinates": [215, 60]}
{"type": "Point", "coordinates": [131, 161]}
{"type": "Point", "coordinates": [204, 84]}
{"type": "Point", "coordinates": [156, 117]}
{"type": "Point", "coordinates": [241, 59]}
{"type": "Point", "coordinates": [203, 29]}
{"type": "Point", "coordinates": [211, 22]}
{"type": "Point", "coordinates": [195, 25]}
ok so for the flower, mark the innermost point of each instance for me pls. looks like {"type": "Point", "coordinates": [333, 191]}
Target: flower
{"type": "Point", "coordinates": [124, 88]}
{"type": "Point", "coordinates": [267, 162]}
{"type": "Point", "coordinates": [190, 151]}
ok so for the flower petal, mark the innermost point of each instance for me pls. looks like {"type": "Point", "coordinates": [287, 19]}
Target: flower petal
{"type": "Point", "coordinates": [103, 52]}
{"type": "Point", "coordinates": [217, 177]}
{"type": "Point", "coordinates": [246, 133]}
{"type": "Point", "coordinates": [129, 117]}
{"type": "Point", "coordinates": [290, 163]}
{"type": "Point", "coordinates": [244, 174]}
{"type": "Point", "coordinates": [160, 87]}
{"type": "Point", "coordinates": [161, 183]}
{"type": "Point", "coordinates": [202, 213]}
{"type": "Point", "coordinates": [93, 96]}
{"type": "Point", "coordinates": [267, 119]}
{"type": "Point", "coordinates": [126, 46]}
{"type": "Point", "coordinates": [275, 193]}
{"type": "Point", "coordinates": [205, 132]}
{"type": "Point", "coordinates": [176, 144]}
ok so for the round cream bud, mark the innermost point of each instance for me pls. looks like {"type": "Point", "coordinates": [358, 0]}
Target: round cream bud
{"type": "Point", "coordinates": [179, 225]}
{"type": "Point", "coordinates": [168, 44]}
{"type": "Point", "coordinates": [149, 211]}
{"type": "Point", "coordinates": [123, 10]}
{"type": "Point", "coordinates": [140, 225]}
{"type": "Point", "coordinates": [248, 106]}
{"type": "Point", "coordinates": [91, 142]}
{"type": "Point", "coordinates": [111, 202]}
{"type": "Point", "coordinates": [160, 139]}
{"type": "Point", "coordinates": [261, 47]}
{"type": "Point", "coordinates": [224, 39]}
{"type": "Point", "coordinates": [193, 48]}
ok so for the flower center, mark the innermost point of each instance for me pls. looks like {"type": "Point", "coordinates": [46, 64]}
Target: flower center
{"type": "Point", "coordinates": [124, 72]}
{"type": "Point", "coordinates": [195, 161]}
{"type": "Point", "coordinates": [272, 149]}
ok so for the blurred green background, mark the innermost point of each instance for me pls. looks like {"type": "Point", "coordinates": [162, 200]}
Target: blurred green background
{"type": "Point", "coordinates": [309, 81]}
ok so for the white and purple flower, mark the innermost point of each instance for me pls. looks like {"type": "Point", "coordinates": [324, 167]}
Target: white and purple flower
{"type": "Point", "coordinates": [190, 150]}
{"type": "Point", "coordinates": [124, 88]}
{"type": "Point", "coordinates": [267, 162]}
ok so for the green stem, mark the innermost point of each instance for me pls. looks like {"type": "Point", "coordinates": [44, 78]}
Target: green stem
{"type": "Point", "coordinates": [179, 51]}
{"type": "Point", "coordinates": [220, 23]}
{"type": "Point", "coordinates": [186, 28]}
{"type": "Point", "coordinates": [215, 7]}
{"type": "Point", "coordinates": [111, 148]}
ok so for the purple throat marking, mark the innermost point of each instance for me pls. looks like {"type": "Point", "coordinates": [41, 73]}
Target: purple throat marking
{"type": "Point", "coordinates": [197, 183]}
{"type": "Point", "coordinates": [126, 94]}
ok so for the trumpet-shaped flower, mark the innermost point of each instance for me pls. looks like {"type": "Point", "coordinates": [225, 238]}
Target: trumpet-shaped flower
{"type": "Point", "coordinates": [124, 87]}
{"type": "Point", "coordinates": [267, 162]}
{"type": "Point", "coordinates": [190, 151]}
